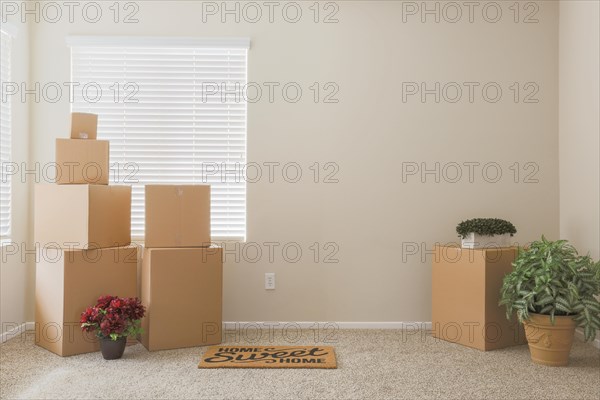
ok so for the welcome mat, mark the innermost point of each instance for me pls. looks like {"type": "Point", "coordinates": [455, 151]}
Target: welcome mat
{"type": "Point", "coordinates": [269, 357]}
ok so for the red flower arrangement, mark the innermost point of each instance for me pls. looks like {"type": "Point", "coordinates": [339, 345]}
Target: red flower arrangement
{"type": "Point", "coordinates": [114, 317]}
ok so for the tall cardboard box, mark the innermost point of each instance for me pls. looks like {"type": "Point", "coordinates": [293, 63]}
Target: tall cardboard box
{"type": "Point", "coordinates": [182, 290]}
{"type": "Point", "coordinates": [466, 290]}
{"type": "Point", "coordinates": [177, 216]}
{"type": "Point", "coordinates": [82, 216]}
{"type": "Point", "coordinates": [68, 281]}
{"type": "Point", "coordinates": [82, 161]}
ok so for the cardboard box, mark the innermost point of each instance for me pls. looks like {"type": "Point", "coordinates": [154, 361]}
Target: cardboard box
{"type": "Point", "coordinates": [466, 290]}
{"type": "Point", "coordinates": [177, 216]}
{"type": "Point", "coordinates": [84, 126]}
{"type": "Point", "coordinates": [68, 281]}
{"type": "Point", "coordinates": [82, 161]}
{"type": "Point", "coordinates": [182, 290]}
{"type": "Point", "coordinates": [82, 216]}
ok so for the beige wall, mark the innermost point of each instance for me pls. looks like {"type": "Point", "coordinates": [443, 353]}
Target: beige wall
{"type": "Point", "coordinates": [370, 213]}
{"type": "Point", "coordinates": [579, 125]}
{"type": "Point", "coordinates": [16, 277]}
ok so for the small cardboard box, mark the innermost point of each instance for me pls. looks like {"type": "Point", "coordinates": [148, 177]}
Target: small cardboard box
{"type": "Point", "coordinates": [465, 294]}
{"type": "Point", "coordinates": [69, 281]}
{"type": "Point", "coordinates": [82, 161]}
{"type": "Point", "coordinates": [182, 291]}
{"type": "Point", "coordinates": [177, 216]}
{"type": "Point", "coordinates": [84, 126]}
{"type": "Point", "coordinates": [82, 216]}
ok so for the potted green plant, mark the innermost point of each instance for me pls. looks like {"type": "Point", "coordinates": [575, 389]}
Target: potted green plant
{"type": "Point", "coordinates": [552, 289]}
{"type": "Point", "coordinates": [113, 319]}
{"type": "Point", "coordinates": [478, 233]}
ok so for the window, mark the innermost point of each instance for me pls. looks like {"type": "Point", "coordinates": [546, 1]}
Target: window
{"type": "Point", "coordinates": [5, 134]}
{"type": "Point", "coordinates": [174, 112]}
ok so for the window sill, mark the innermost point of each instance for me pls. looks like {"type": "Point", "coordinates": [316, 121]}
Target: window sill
{"type": "Point", "coordinates": [216, 240]}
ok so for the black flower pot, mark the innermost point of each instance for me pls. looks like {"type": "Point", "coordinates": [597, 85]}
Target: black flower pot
{"type": "Point", "coordinates": [112, 349]}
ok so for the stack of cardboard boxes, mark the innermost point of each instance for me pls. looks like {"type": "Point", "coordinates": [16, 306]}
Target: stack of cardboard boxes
{"type": "Point", "coordinates": [83, 233]}
{"type": "Point", "coordinates": [83, 236]}
{"type": "Point", "coordinates": [182, 274]}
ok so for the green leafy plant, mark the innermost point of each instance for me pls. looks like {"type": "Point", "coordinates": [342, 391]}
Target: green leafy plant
{"type": "Point", "coordinates": [485, 226]}
{"type": "Point", "coordinates": [550, 278]}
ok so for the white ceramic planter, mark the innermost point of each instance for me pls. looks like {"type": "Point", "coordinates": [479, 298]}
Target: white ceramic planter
{"type": "Point", "coordinates": [476, 241]}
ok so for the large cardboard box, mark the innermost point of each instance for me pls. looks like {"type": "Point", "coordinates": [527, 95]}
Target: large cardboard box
{"type": "Point", "coordinates": [84, 126]}
{"type": "Point", "coordinates": [182, 290]}
{"type": "Point", "coordinates": [82, 216]}
{"type": "Point", "coordinates": [82, 161]}
{"type": "Point", "coordinates": [466, 290]}
{"type": "Point", "coordinates": [68, 281]}
{"type": "Point", "coordinates": [177, 216]}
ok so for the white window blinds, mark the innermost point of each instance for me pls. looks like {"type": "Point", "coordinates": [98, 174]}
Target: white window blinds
{"type": "Point", "coordinates": [5, 135]}
{"type": "Point", "coordinates": [174, 113]}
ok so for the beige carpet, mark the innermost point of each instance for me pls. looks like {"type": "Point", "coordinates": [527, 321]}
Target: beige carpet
{"type": "Point", "coordinates": [371, 364]}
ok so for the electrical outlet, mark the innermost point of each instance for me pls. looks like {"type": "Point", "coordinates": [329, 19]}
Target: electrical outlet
{"type": "Point", "coordinates": [270, 280]}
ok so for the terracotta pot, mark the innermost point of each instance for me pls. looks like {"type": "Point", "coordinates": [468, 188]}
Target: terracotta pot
{"type": "Point", "coordinates": [112, 349]}
{"type": "Point", "coordinates": [550, 344]}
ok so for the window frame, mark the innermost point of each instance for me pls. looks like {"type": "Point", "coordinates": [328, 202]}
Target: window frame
{"type": "Point", "coordinates": [237, 44]}
{"type": "Point", "coordinates": [9, 32]}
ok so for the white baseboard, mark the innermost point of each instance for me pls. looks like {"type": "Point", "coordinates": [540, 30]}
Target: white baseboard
{"type": "Point", "coordinates": [322, 325]}
{"type": "Point", "coordinates": [231, 325]}
{"type": "Point", "coordinates": [16, 331]}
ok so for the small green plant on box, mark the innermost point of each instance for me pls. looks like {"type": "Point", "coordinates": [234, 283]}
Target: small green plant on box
{"type": "Point", "coordinates": [485, 226]}
{"type": "Point", "coordinates": [551, 278]}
